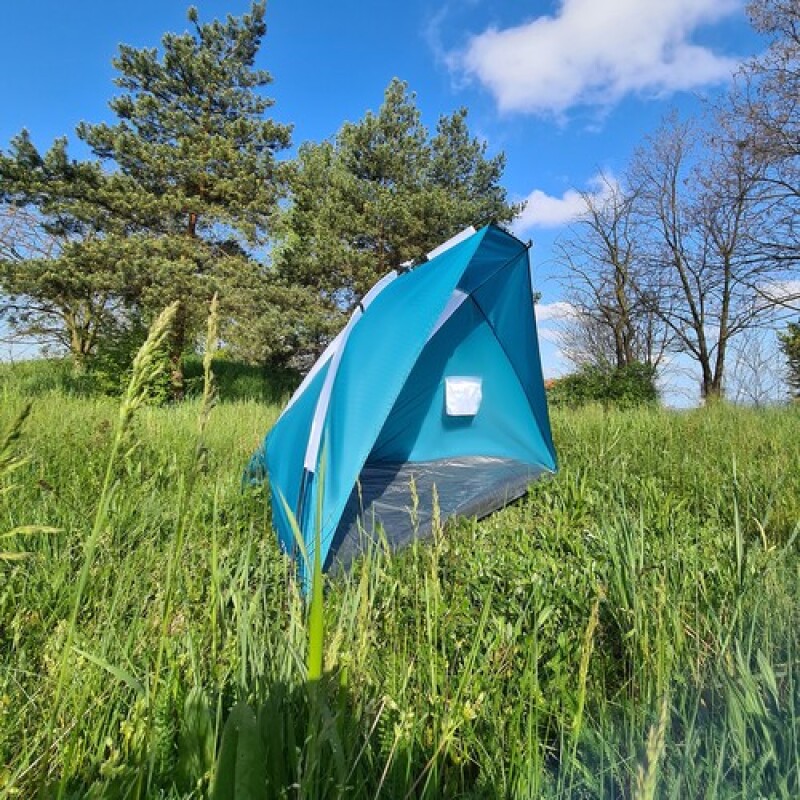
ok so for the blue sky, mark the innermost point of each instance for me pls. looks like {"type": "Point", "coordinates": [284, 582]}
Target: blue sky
{"type": "Point", "coordinates": [565, 89]}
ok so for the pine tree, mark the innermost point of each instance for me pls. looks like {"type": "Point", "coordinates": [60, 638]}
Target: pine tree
{"type": "Point", "coordinates": [383, 191]}
{"type": "Point", "coordinates": [195, 179]}
{"type": "Point", "coordinates": [182, 193]}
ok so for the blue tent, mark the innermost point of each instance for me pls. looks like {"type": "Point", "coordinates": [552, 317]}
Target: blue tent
{"type": "Point", "coordinates": [432, 395]}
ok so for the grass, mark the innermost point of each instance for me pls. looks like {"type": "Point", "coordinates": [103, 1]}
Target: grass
{"type": "Point", "coordinates": [629, 629]}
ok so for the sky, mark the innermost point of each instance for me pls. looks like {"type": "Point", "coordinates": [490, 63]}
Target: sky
{"type": "Point", "coordinates": [565, 89]}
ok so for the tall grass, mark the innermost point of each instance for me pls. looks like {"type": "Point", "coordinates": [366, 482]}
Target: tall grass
{"type": "Point", "coordinates": [629, 629]}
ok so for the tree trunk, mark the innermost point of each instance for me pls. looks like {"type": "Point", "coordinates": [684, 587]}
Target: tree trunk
{"type": "Point", "coordinates": [623, 332]}
{"type": "Point", "coordinates": [619, 346]}
{"type": "Point", "coordinates": [711, 386]}
{"type": "Point", "coordinates": [77, 345]}
{"type": "Point", "coordinates": [78, 363]}
{"type": "Point", "coordinates": [713, 392]}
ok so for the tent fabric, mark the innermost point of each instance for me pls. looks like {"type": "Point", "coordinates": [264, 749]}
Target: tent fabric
{"type": "Point", "coordinates": [367, 435]}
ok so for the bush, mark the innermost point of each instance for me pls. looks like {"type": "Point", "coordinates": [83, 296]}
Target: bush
{"type": "Point", "coordinates": [239, 381]}
{"type": "Point", "coordinates": [622, 387]}
{"type": "Point", "coordinates": [111, 366]}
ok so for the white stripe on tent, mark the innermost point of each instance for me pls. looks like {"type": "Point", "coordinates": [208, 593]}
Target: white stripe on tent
{"type": "Point", "coordinates": [326, 356]}
{"type": "Point", "coordinates": [458, 297]}
{"type": "Point", "coordinates": [453, 304]}
{"type": "Point", "coordinates": [451, 242]}
{"type": "Point", "coordinates": [337, 346]}
{"type": "Point", "coordinates": [444, 246]}
{"type": "Point", "coordinates": [312, 450]}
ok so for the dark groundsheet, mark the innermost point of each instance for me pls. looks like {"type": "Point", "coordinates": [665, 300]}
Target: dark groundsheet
{"type": "Point", "coordinates": [399, 498]}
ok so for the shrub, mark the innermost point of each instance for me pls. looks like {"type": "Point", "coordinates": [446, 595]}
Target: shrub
{"type": "Point", "coordinates": [790, 345]}
{"type": "Point", "coordinates": [622, 387]}
{"type": "Point", "coordinates": [237, 380]}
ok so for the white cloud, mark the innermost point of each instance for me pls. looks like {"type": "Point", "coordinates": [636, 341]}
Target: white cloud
{"type": "Point", "coordinates": [594, 52]}
{"type": "Point", "coordinates": [546, 211]}
{"type": "Point", "coordinates": [558, 311]}
{"type": "Point", "coordinates": [543, 210]}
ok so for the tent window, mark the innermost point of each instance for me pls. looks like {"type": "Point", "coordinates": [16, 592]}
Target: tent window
{"type": "Point", "coordinates": [462, 395]}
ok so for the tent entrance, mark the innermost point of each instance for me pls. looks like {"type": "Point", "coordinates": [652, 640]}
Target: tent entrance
{"type": "Point", "coordinates": [399, 498]}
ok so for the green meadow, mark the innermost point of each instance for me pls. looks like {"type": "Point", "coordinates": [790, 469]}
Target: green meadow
{"type": "Point", "coordinates": [630, 629]}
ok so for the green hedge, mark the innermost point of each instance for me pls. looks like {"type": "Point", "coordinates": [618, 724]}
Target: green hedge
{"type": "Point", "coordinates": [622, 387]}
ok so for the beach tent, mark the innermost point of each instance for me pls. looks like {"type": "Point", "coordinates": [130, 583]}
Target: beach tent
{"type": "Point", "coordinates": [431, 396]}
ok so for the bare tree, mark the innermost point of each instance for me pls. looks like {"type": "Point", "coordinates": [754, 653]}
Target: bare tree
{"type": "Point", "coordinates": [698, 200]}
{"type": "Point", "coordinates": [762, 115]}
{"type": "Point", "coordinates": [706, 240]}
{"type": "Point", "coordinates": [612, 324]}
{"type": "Point", "coordinates": [45, 295]}
{"type": "Point", "coordinates": [757, 375]}
{"type": "Point", "coordinates": [23, 236]}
